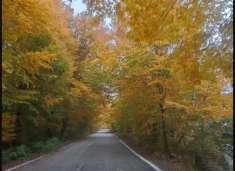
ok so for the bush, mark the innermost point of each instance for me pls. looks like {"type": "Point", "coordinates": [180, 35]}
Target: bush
{"type": "Point", "coordinates": [5, 156]}
{"type": "Point", "coordinates": [52, 143]}
{"type": "Point", "coordinates": [55, 141]}
{"type": "Point", "coordinates": [22, 151]}
{"type": "Point", "coordinates": [38, 146]}
{"type": "Point", "coordinates": [13, 155]}
{"type": "Point", "coordinates": [17, 153]}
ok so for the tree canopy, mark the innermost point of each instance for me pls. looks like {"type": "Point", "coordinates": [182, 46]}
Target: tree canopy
{"type": "Point", "coordinates": [158, 75]}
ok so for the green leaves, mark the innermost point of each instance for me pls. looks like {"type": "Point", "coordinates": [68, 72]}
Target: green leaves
{"type": "Point", "coordinates": [34, 42]}
{"type": "Point", "coordinates": [39, 72]}
{"type": "Point", "coordinates": [159, 72]}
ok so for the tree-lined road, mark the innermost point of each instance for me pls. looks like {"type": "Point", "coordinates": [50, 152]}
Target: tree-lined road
{"type": "Point", "coordinates": [101, 151]}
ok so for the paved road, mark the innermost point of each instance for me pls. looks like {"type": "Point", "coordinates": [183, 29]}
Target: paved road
{"type": "Point", "coordinates": [101, 151]}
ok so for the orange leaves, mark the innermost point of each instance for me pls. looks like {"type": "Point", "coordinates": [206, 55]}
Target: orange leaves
{"type": "Point", "coordinates": [149, 18]}
{"type": "Point", "coordinates": [79, 87]}
{"type": "Point", "coordinates": [59, 24]}
{"type": "Point", "coordinates": [39, 72]}
{"type": "Point", "coordinates": [217, 111]}
{"type": "Point", "coordinates": [171, 104]}
{"type": "Point", "coordinates": [104, 116]}
{"type": "Point", "coordinates": [209, 100]}
{"type": "Point", "coordinates": [49, 100]}
{"type": "Point", "coordinates": [33, 61]}
{"type": "Point", "coordinates": [23, 16]}
{"type": "Point", "coordinates": [161, 21]}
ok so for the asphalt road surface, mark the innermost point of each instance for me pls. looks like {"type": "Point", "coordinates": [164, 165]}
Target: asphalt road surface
{"type": "Point", "coordinates": [101, 151]}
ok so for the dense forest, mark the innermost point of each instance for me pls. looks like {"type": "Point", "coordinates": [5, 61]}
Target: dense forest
{"type": "Point", "coordinates": [158, 72]}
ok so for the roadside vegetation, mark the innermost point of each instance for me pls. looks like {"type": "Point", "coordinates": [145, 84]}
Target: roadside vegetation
{"type": "Point", "coordinates": [158, 72]}
{"type": "Point", "coordinates": [25, 152]}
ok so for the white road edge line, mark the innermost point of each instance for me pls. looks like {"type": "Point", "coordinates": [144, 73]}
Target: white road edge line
{"type": "Point", "coordinates": [140, 157]}
{"type": "Point", "coordinates": [23, 164]}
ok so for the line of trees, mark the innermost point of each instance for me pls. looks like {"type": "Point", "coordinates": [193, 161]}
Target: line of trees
{"type": "Point", "coordinates": [44, 91]}
{"type": "Point", "coordinates": [159, 71]}
{"type": "Point", "coordinates": [170, 62]}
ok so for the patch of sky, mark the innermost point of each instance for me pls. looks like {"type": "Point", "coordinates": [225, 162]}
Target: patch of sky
{"type": "Point", "coordinates": [108, 22]}
{"type": "Point", "coordinates": [170, 49]}
{"type": "Point", "coordinates": [227, 89]}
{"type": "Point", "coordinates": [77, 5]}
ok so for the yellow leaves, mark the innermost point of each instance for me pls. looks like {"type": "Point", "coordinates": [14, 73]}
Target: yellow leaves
{"type": "Point", "coordinates": [59, 25]}
{"type": "Point", "coordinates": [154, 82]}
{"type": "Point", "coordinates": [211, 101]}
{"type": "Point", "coordinates": [172, 104]}
{"type": "Point", "coordinates": [208, 87]}
{"type": "Point", "coordinates": [33, 61]}
{"type": "Point", "coordinates": [8, 127]}
{"type": "Point", "coordinates": [217, 111]}
{"type": "Point", "coordinates": [104, 117]}
{"type": "Point", "coordinates": [164, 83]}
{"type": "Point", "coordinates": [154, 20]}
{"type": "Point", "coordinates": [23, 16]}
{"type": "Point", "coordinates": [177, 5]}
{"type": "Point", "coordinates": [50, 101]}
{"type": "Point", "coordinates": [172, 13]}
{"type": "Point", "coordinates": [80, 87]}
{"type": "Point", "coordinates": [76, 91]}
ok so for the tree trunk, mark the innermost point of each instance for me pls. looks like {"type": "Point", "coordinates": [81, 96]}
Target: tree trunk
{"type": "Point", "coordinates": [164, 132]}
{"type": "Point", "coordinates": [18, 129]}
{"type": "Point", "coordinates": [64, 127]}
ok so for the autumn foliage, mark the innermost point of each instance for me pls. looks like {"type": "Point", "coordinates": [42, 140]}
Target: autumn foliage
{"type": "Point", "coordinates": [158, 75]}
{"type": "Point", "coordinates": [42, 96]}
